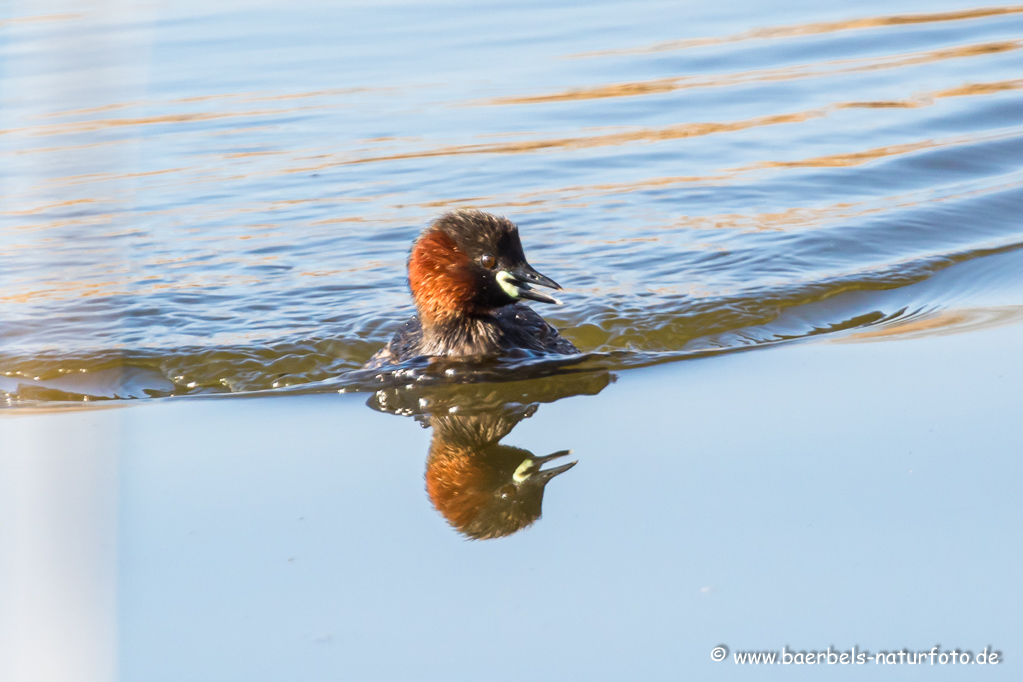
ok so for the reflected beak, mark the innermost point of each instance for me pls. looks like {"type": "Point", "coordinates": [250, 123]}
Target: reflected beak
{"type": "Point", "coordinates": [516, 283]}
{"type": "Point", "coordinates": [546, 475]}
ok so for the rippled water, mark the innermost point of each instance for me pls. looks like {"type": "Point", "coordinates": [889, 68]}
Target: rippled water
{"type": "Point", "coordinates": [220, 198]}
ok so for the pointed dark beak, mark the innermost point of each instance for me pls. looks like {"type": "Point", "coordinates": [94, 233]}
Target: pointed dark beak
{"type": "Point", "coordinates": [524, 275]}
{"type": "Point", "coordinates": [546, 475]}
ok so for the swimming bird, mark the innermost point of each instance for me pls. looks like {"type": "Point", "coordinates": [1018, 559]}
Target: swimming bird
{"type": "Point", "coordinates": [468, 275]}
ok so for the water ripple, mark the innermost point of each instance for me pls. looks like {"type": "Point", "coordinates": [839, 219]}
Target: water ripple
{"type": "Point", "coordinates": [238, 222]}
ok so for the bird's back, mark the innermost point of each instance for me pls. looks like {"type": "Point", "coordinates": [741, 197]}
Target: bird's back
{"type": "Point", "coordinates": [404, 345]}
{"type": "Point", "coordinates": [509, 327]}
{"type": "Point", "coordinates": [524, 328]}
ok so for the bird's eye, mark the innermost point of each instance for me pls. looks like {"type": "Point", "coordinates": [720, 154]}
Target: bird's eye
{"type": "Point", "coordinates": [488, 261]}
{"type": "Point", "coordinates": [507, 491]}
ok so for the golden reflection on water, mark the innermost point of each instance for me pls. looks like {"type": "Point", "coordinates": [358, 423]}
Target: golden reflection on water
{"type": "Point", "coordinates": [181, 227]}
{"type": "Point", "coordinates": [814, 28]}
{"type": "Point", "coordinates": [788, 220]}
{"type": "Point", "coordinates": [957, 321]}
{"type": "Point", "coordinates": [574, 143]}
{"type": "Point", "coordinates": [822, 69]}
{"type": "Point", "coordinates": [253, 96]}
{"type": "Point", "coordinates": [868, 155]}
{"type": "Point", "coordinates": [49, 207]}
{"type": "Point", "coordinates": [133, 285]}
{"type": "Point", "coordinates": [674, 132]}
{"type": "Point", "coordinates": [798, 218]}
{"type": "Point", "coordinates": [41, 18]}
{"type": "Point", "coordinates": [981, 88]}
{"type": "Point", "coordinates": [578, 195]}
{"type": "Point", "coordinates": [163, 119]}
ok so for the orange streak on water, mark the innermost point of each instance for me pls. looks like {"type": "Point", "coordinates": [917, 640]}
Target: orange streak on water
{"type": "Point", "coordinates": [681, 131]}
{"type": "Point", "coordinates": [815, 28]}
{"type": "Point", "coordinates": [42, 18]}
{"type": "Point", "coordinates": [665, 85]}
{"type": "Point", "coordinates": [943, 323]}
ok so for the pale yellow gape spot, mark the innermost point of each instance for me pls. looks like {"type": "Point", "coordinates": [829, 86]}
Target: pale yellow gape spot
{"type": "Point", "coordinates": [523, 472]}
{"type": "Point", "coordinates": [505, 278]}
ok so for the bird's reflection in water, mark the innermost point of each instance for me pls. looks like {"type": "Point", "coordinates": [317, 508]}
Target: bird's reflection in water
{"type": "Point", "coordinates": [483, 488]}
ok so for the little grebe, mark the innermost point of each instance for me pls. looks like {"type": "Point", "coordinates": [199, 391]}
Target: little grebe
{"type": "Point", "coordinates": [468, 274]}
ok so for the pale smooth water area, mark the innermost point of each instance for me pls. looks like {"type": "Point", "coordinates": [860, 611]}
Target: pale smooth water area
{"type": "Point", "coordinates": [205, 211]}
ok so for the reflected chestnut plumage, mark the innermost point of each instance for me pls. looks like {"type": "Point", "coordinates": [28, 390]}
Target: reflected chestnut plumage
{"type": "Point", "coordinates": [485, 489]}
{"type": "Point", "coordinates": [482, 488]}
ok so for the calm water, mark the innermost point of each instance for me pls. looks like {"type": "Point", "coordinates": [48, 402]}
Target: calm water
{"type": "Point", "coordinates": [220, 197]}
{"type": "Point", "coordinates": [205, 198]}
{"type": "Point", "coordinates": [809, 496]}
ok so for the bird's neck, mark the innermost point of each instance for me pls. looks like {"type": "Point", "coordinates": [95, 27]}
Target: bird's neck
{"type": "Point", "coordinates": [439, 277]}
{"type": "Point", "coordinates": [461, 335]}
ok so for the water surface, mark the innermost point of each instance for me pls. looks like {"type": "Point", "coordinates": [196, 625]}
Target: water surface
{"type": "Point", "coordinates": [809, 496]}
{"type": "Point", "coordinates": [205, 210]}
{"type": "Point", "coordinates": [201, 199]}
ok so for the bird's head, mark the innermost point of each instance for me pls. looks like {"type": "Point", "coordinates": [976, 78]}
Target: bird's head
{"type": "Point", "coordinates": [470, 263]}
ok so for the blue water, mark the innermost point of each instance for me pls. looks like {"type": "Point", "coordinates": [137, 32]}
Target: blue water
{"type": "Point", "coordinates": [221, 199]}
{"type": "Point", "coordinates": [815, 495]}
{"type": "Point", "coordinates": [205, 211]}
